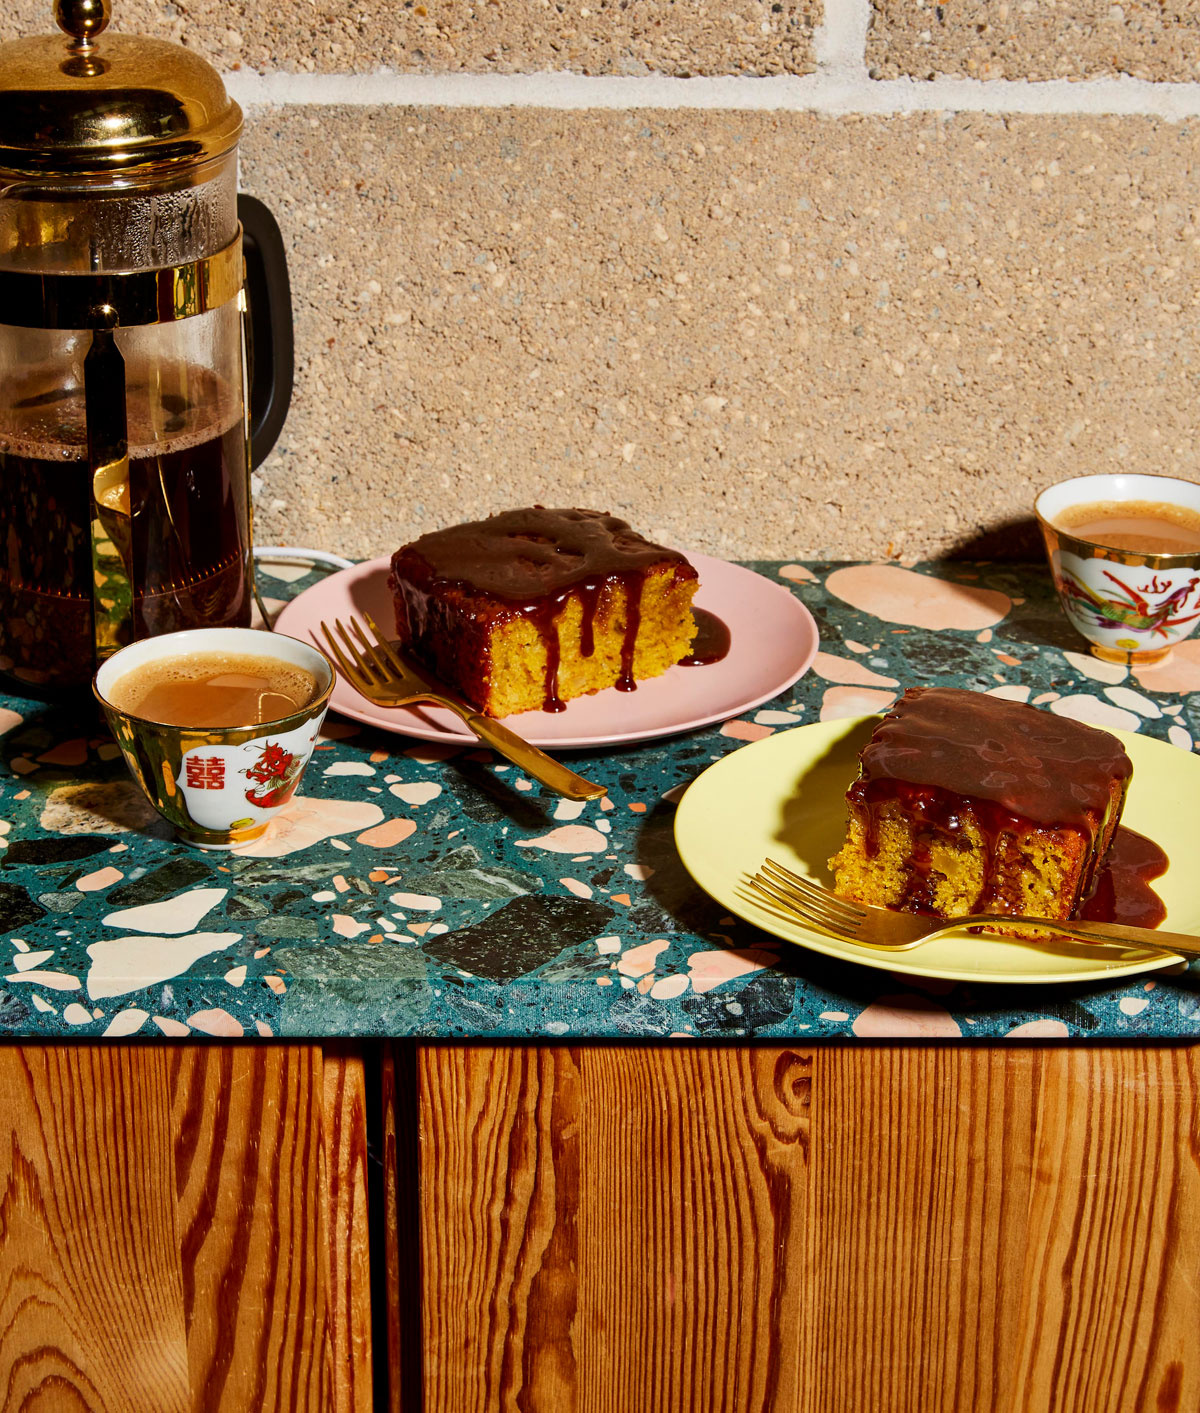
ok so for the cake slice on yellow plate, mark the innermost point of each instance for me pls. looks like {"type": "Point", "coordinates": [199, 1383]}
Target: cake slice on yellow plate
{"type": "Point", "coordinates": [966, 803]}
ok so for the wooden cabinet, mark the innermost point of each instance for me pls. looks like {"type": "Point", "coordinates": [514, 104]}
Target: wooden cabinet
{"type": "Point", "coordinates": [183, 1227]}
{"type": "Point", "coordinates": [625, 1229]}
{"type": "Point", "coordinates": [851, 1229]}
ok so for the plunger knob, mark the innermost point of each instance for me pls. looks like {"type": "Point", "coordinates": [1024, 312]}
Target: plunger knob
{"type": "Point", "coordinates": [83, 20]}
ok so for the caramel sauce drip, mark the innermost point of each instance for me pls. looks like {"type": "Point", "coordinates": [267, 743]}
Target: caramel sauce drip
{"type": "Point", "coordinates": [712, 640]}
{"type": "Point", "coordinates": [1122, 892]}
{"type": "Point", "coordinates": [532, 560]}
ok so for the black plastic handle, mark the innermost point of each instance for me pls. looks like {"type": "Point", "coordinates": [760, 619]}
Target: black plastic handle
{"type": "Point", "coordinates": [270, 350]}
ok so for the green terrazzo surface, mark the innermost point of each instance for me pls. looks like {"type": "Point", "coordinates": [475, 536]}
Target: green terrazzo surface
{"type": "Point", "coordinates": [421, 891]}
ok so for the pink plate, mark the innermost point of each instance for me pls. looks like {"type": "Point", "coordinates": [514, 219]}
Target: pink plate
{"type": "Point", "coordinates": [773, 642]}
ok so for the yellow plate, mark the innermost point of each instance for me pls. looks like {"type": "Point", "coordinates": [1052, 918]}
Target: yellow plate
{"type": "Point", "coordinates": [784, 798]}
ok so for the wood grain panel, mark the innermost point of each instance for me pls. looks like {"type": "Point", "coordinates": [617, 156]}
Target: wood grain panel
{"type": "Point", "coordinates": [1110, 1313]}
{"type": "Point", "coordinates": [393, 1223]}
{"type": "Point", "coordinates": [247, 1128]}
{"type": "Point", "coordinates": [622, 1229]}
{"type": "Point", "coordinates": [483, 1198]}
{"type": "Point", "coordinates": [347, 1242]}
{"type": "Point", "coordinates": [183, 1228]}
{"type": "Point", "coordinates": [91, 1298]}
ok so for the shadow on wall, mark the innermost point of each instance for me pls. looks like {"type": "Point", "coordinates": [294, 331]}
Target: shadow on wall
{"type": "Point", "coordinates": [1019, 538]}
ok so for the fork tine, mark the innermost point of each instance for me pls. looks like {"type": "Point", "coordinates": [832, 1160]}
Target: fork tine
{"type": "Point", "coordinates": [812, 891]}
{"type": "Point", "coordinates": [380, 665]}
{"type": "Point", "coordinates": [758, 884]}
{"type": "Point", "coordinates": [359, 660]}
{"type": "Point", "coordinates": [351, 674]}
{"type": "Point", "coordinates": [760, 894]}
{"type": "Point", "coordinates": [798, 880]}
{"type": "Point", "coordinates": [811, 905]}
{"type": "Point", "coordinates": [815, 897]}
{"type": "Point", "coordinates": [386, 647]}
{"type": "Point", "coordinates": [798, 910]}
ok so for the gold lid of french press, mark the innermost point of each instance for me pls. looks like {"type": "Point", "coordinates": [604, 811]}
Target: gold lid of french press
{"type": "Point", "coordinates": [115, 107]}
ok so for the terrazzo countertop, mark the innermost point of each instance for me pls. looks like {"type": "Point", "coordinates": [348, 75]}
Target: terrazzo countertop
{"type": "Point", "coordinates": [418, 890]}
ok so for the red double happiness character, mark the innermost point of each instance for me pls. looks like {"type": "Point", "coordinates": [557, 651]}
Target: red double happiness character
{"type": "Point", "coordinates": [205, 772]}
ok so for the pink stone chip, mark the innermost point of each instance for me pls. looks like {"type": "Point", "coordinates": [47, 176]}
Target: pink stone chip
{"type": "Point", "coordinates": [895, 1016]}
{"type": "Point", "coordinates": [839, 702]}
{"type": "Point", "coordinates": [569, 839]}
{"type": "Point", "coordinates": [831, 668]}
{"type": "Point", "coordinates": [214, 1022]}
{"type": "Point", "coordinates": [345, 926]}
{"type": "Point", "coordinates": [917, 600]}
{"type": "Point", "coordinates": [1179, 673]}
{"type": "Point", "coordinates": [66, 753]}
{"type": "Point", "coordinates": [391, 831]}
{"type": "Point", "coordinates": [308, 820]}
{"type": "Point", "coordinates": [709, 969]}
{"type": "Point", "coordinates": [746, 731]}
{"type": "Point", "coordinates": [102, 878]}
{"type": "Point", "coordinates": [639, 961]}
{"type": "Point", "coordinates": [1042, 1029]}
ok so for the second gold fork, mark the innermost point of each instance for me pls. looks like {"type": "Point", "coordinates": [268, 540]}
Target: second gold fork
{"type": "Point", "coordinates": [373, 667]}
{"type": "Point", "coordinates": [800, 898]}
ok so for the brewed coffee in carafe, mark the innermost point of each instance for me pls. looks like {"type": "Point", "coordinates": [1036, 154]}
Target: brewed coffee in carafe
{"type": "Point", "coordinates": [124, 438]}
{"type": "Point", "coordinates": [186, 538]}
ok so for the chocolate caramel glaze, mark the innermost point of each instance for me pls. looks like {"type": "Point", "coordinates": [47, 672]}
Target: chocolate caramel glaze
{"type": "Point", "coordinates": [942, 752]}
{"type": "Point", "coordinates": [1122, 892]}
{"type": "Point", "coordinates": [712, 641]}
{"type": "Point", "coordinates": [525, 564]}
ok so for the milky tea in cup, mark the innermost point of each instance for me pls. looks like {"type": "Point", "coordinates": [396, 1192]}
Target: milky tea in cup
{"type": "Point", "coordinates": [214, 689]}
{"type": "Point", "coordinates": [216, 725]}
{"type": "Point", "coordinates": [1143, 526]}
{"type": "Point", "coordinates": [1125, 555]}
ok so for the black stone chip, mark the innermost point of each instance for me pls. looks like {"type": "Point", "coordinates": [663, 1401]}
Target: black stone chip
{"type": "Point", "coordinates": [17, 908]}
{"type": "Point", "coordinates": [14, 1013]}
{"type": "Point", "coordinates": [765, 1000]}
{"type": "Point", "coordinates": [163, 883]}
{"type": "Point", "coordinates": [485, 798]}
{"type": "Point", "coordinates": [519, 937]}
{"type": "Point", "coordinates": [62, 850]}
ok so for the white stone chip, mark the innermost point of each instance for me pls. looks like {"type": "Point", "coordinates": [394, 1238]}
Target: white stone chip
{"type": "Point", "coordinates": [1133, 701]}
{"type": "Point", "coordinates": [1095, 668]}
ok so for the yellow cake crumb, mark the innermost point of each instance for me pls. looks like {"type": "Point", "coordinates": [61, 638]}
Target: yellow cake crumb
{"type": "Point", "coordinates": [516, 681]}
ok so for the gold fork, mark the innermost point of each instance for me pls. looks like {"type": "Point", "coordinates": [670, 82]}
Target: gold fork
{"type": "Point", "coordinates": [384, 677]}
{"type": "Point", "coordinates": [798, 897]}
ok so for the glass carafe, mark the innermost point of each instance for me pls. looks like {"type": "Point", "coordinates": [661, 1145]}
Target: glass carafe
{"type": "Point", "coordinates": [124, 436]}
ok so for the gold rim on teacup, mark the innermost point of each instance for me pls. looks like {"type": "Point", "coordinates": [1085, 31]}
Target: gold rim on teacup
{"type": "Point", "coordinates": [189, 774]}
{"type": "Point", "coordinates": [1125, 617]}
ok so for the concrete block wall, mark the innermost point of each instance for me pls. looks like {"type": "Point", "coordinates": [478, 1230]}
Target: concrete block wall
{"type": "Point", "coordinates": [768, 277]}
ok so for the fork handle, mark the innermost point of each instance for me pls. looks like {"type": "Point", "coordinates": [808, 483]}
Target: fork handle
{"type": "Point", "coordinates": [553, 774]}
{"type": "Point", "coordinates": [1103, 932]}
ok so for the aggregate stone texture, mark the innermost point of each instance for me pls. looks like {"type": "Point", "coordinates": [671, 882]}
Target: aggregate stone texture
{"type": "Point", "coordinates": [1034, 39]}
{"type": "Point", "coordinates": [747, 333]}
{"type": "Point", "coordinates": [631, 37]}
{"type": "Point", "coordinates": [424, 889]}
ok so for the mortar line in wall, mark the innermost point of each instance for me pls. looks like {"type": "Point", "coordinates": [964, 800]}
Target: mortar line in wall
{"type": "Point", "coordinates": [840, 40]}
{"type": "Point", "coordinates": [832, 92]}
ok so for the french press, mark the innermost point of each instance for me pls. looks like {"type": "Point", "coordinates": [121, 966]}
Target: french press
{"type": "Point", "coordinates": [145, 349]}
